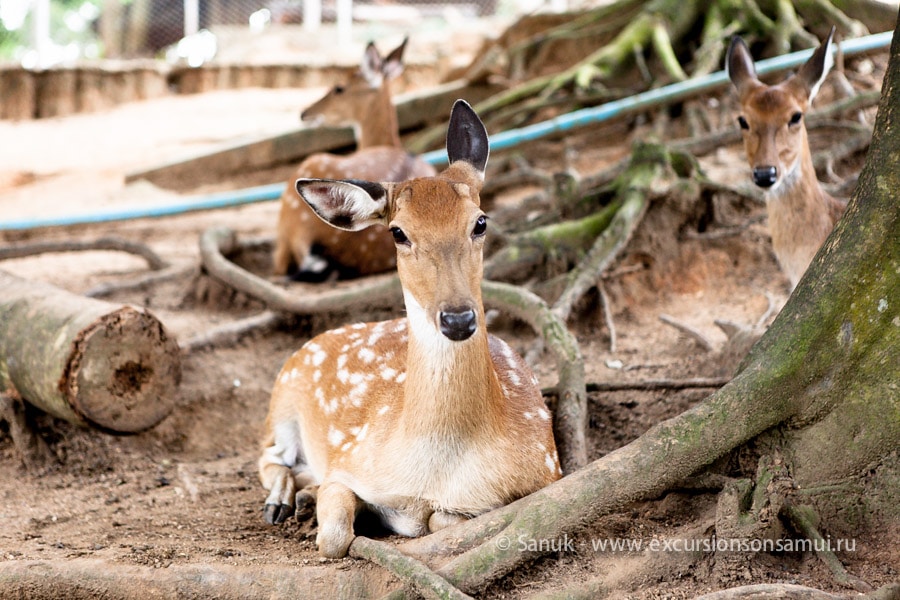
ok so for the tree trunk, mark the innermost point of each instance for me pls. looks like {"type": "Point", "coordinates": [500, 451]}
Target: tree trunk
{"type": "Point", "coordinates": [107, 366]}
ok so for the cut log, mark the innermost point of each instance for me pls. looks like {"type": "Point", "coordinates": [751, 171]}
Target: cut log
{"type": "Point", "coordinates": [108, 366]}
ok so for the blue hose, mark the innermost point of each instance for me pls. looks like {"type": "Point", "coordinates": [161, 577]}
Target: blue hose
{"type": "Point", "coordinates": [500, 141]}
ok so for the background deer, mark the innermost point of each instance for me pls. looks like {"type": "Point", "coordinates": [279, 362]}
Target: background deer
{"type": "Point", "coordinates": [365, 102]}
{"type": "Point", "coordinates": [427, 420]}
{"type": "Point", "coordinates": [800, 213]}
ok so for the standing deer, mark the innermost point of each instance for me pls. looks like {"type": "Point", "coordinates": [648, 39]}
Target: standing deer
{"type": "Point", "coordinates": [427, 420]}
{"type": "Point", "coordinates": [364, 101]}
{"type": "Point", "coordinates": [801, 214]}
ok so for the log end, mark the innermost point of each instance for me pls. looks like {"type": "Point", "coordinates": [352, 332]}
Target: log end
{"type": "Point", "coordinates": [124, 372]}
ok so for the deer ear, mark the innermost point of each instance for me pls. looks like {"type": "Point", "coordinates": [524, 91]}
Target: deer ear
{"type": "Point", "coordinates": [371, 66]}
{"type": "Point", "coordinates": [467, 139]}
{"type": "Point", "coordinates": [393, 64]}
{"type": "Point", "coordinates": [814, 71]}
{"type": "Point", "coordinates": [739, 65]}
{"type": "Point", "coordinates": [350, 204]}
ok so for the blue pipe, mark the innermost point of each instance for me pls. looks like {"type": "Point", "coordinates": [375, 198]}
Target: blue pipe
{"type": "Point", "coordinates": [500, 141]}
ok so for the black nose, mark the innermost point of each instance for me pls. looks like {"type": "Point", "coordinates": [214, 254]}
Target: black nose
{"type": "Point", "coordinates": [458, 325]}
{"type": "Point", "coordinates": [765, 176]}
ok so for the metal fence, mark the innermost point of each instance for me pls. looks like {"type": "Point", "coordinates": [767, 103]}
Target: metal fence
{"type": "Point", "coordinates": [41, 33]}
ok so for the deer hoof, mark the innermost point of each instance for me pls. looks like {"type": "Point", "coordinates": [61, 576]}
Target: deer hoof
{"type": "Point", "coordinates": [277, 513]}
{"type": "Point", "coordinates": [304, 505]}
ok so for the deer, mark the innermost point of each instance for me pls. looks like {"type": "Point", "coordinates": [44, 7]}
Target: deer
{"type": "Point", "coordinates": [424, 421]}
{"type": "Point", "coordinates": [363, 101]}
{"type": "Point", "coordinates": [800, 213]}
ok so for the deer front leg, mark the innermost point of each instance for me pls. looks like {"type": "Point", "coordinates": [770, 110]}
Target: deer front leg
{"type": "Point", "coordinates": [336, 508]}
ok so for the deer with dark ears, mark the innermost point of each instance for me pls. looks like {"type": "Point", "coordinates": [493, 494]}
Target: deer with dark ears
{"type": "Point", "coordinates": [800, 213]}
{"type": "Point", "coordinates": [363, 101]}
{"type": "Point", "coordinates": [426, 420]}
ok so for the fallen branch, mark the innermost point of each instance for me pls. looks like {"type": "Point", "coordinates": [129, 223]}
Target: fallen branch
{"type": "Point", "coordinates": [93, 363]}
{"type": "Point", "coordinates": [154, 261]}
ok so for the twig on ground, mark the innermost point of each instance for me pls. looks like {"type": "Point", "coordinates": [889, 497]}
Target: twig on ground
{"type": "Point", "coordinates": [231, 333]}
{"type": "Point", "coordinates": [686, 329]}
{"type": "Point", "coordinates": [606, 309]}
{"type": "Point", "coordinates": [658, 384]}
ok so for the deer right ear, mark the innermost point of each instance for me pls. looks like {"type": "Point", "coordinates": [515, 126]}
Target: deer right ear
{"type": "Point", "coordinates": [393, 63]}
{"type": "Point", "coordinates": [814, 71]}
{"type": "Point", "coordinates": [739, 65]}
{"type": "Point", "coordinates": [467, 139]}
{"type": "Point", "coordinates": [350, 204]}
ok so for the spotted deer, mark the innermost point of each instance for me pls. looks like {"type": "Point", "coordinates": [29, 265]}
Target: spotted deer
{"type": "Point", "coordinates": [365, 102]}
{"type": "Point", "coordinates": [800, 213]}
{"type": "Point", "coordinates": [426, 420]}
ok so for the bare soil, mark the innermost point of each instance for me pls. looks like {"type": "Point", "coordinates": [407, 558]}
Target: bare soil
{"type": "Point", "coordinates": [186, 493]}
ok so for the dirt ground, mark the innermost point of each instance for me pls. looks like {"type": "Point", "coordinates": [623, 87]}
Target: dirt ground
{"type": "Point", "coordinates": [185, 495]}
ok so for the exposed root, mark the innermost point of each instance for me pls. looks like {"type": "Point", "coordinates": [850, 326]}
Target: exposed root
{"type": "Point", "coordinates": [154, 261]}
{"type": "Point", "coordinates": [410, 571]}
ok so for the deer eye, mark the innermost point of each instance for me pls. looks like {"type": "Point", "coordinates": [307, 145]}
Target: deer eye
{"type": "Point", "coordinates": [399, 236]}
{"type": "Point", "coordinates": [480, 226]}
{"type": "Point", "coordinates": [743, 123]}
{"type": "Point", "coordinates": [338, 89]}
{"type": "Point", "coordinates": [795, 118]}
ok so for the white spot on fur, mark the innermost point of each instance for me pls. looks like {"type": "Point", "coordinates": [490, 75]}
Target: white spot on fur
{"type": "Point", "coordinates": [544, 414]}
{"type": "Point", "coordinates": [335, 436]}
{"type": "Point", "coordinates": [383, 409]}
{"type": "Point", "coordinates": [551, 464]}
{"type": "Point", "coordinates": [366, 355]}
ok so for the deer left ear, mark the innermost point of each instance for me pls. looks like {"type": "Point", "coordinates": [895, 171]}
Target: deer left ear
{"type": "Point", "coordinates": [350, 204]}
{"type": "Point", "coordinates": [814, 71]}
{"type": "Point", "coordinates": [467, 139]}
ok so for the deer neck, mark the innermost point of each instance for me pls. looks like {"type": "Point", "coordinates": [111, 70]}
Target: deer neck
{"type": "Point", "coordinates": [451, 388]}
{"type": "Point", "coordinates": [380, 127]}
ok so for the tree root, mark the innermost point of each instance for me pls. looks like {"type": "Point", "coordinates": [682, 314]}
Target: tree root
{"type": "Point", "coordinates": [802, 519]}
{"type": "Point", "coordinates": [36, 455]}
{"type": "Point", "coordinates": [88, 579]}
{"type": "Point", "coordinates": [154, 261]}
{"type": "Point", "coordinates": [216, 243]}
{"type": "Point", "coordinates": [771, 591]}
{"type": "Point", "coordinates": [412, 572]}
{"type": "Point", "coordinates": [140, 283]}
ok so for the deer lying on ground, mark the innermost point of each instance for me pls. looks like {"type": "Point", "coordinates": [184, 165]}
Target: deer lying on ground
{"type": "Point", "coordinates": [426, 420]}
{"type": "Point", "coordinates": [801, 214]}
{"type": "Point", "coordinates": [364, 101]}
